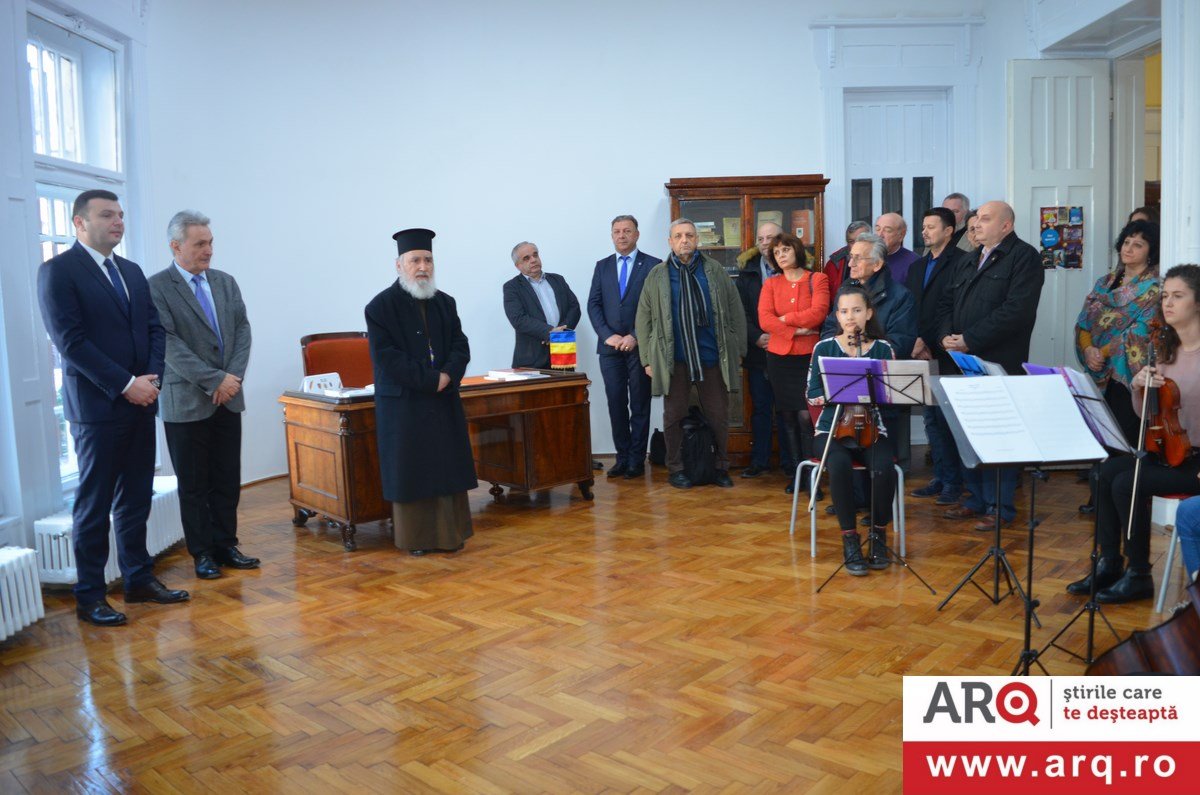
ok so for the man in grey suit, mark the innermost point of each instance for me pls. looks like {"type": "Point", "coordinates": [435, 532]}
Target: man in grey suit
{"type": "Point", "coordinates": [201, 405]}
{"type": "Point", "coordinates": [537, 303]}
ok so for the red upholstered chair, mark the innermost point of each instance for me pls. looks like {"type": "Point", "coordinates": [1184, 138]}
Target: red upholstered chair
{"type": "Point", "coordinates": [343, 352]}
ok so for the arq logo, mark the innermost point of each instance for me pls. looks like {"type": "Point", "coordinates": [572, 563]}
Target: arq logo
{"type": "Point", "coordinates": [1016, 702]}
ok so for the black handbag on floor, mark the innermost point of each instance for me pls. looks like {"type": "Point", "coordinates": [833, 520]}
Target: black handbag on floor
{"type": "Point", "coordinates": [699, 448]}
{"type": "Point", "coordinates": [658, 448]}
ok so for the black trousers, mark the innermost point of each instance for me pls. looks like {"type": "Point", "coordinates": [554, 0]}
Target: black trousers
{"type": "Point", "coordinates": [878, 457]}
{"type": "Point", "coordinates": [116, 473]}
{"type": "Point", "coordinates": [1114, 494]}
{"type": "Point", "coordinates": [627, 388]}
{"type": "Point", "coordinates": [207, 457]}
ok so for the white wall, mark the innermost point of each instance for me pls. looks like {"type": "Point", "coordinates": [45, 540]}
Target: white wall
{"type": "Point", "coordinates": [310, 131]}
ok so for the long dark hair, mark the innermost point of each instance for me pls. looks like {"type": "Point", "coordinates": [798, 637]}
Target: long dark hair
{"type": "Point", "coordinates": [1146, 230]}
{"type": "Point", "coordinates": [874, 329]}
{"type": "Point", "coordinates": [1168, 338]}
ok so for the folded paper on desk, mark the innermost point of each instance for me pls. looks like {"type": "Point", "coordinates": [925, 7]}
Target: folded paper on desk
{"type": "Point", "coordinates": [1016, 419]}
{"type": "Point", "coordinates": [514, 374]}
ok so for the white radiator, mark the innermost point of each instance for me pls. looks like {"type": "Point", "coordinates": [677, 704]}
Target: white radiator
{"type": "Point", "coordinates": [20, 593]}
{"type": "Point", "coordinates": [56, 555]}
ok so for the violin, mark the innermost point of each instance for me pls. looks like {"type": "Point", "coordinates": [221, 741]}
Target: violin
{"type": "Point", "coordinates": [1164, 435]}
{"type": "Point", "coordinates": [856, 427]}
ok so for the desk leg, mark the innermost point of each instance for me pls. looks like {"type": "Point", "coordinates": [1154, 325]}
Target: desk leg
{"type": "Point", "coordinates": [497, 492]}
{"type": "Point", "coordinates": [348, 531]}
{"type": "Point", "coordinates": [585, 488]}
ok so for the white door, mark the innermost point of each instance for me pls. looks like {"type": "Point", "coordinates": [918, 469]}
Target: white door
{"type": "Point", "coordinates": [1059, 155]}
{"type": "Point", "coordinates": [897, 155]}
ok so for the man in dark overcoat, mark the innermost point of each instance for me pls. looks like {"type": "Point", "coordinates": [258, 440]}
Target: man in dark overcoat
{"type": "Point", "coordinates": [419, 354]}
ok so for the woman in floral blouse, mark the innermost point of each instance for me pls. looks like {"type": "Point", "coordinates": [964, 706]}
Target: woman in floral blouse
{"type": "Point", "coordinates": [1112, 334]}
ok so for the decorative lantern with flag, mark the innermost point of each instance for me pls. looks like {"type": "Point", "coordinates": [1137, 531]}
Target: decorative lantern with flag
{"type": "Point", "coordinates": [562, 350]}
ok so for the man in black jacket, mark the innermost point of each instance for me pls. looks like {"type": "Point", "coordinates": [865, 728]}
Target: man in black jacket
{"type": "Point", "coordinates": [994, 302]}
{"type": "Point", "coordinates": [754, 271]}
{"type": "Point", "coordinates": [928, 279]}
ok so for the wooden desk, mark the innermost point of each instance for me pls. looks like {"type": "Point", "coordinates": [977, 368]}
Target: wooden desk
{"type": "Point", "coordinates": [526, 435]}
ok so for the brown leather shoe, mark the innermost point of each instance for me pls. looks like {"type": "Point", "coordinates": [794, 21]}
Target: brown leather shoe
{"type": "Point", "coordinates": [989, 523]}
{"type": "Point", "coordinates": [960, 512]}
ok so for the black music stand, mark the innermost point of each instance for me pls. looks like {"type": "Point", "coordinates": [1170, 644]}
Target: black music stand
{"type": "Point", "coordinates": [868, 382]}
{"type": "Point", "coordinates": [1008, 416]}
{"type": "Point", "coordinates": [1104, 427]}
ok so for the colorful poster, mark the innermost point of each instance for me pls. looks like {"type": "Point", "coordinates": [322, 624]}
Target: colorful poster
{"type": "Point", "coordinates": [1062, 237]}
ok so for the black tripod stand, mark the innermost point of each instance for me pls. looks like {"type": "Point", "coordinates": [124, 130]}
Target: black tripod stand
{"type": "Point", "coordinates": [999, 558]}
{"type": "Point", "coordinates": [871, 406]}
{"type": "Point", "coordinates": [1028, 656]}
{"type": "Point", "coordinates": [1091, 608]}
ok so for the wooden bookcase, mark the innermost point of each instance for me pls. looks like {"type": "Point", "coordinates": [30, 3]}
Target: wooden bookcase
{"type": "Point", "coordinates": [727, 211]}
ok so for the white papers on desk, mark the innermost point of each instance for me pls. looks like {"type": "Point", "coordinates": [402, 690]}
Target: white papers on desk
{"type": "Point", "coordinates": [514, 374]}
{"type": "Point", "coordinates": [347, 392]}
{"type": "Point", "coordinates": [1021, 419]}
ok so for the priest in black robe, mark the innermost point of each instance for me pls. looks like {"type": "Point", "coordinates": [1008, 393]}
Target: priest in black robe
{"type": "Point", "coordinates": [419, 354]}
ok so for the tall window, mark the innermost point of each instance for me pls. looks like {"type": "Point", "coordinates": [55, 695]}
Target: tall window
{"type": "Point", "coordinates": [76, 113]}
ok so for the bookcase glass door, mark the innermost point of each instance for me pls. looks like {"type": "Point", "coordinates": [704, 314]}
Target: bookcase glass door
{"type": "Point", "coordinates": [719, 225]}
{"type": "Point", "coordinates": [796, 215]}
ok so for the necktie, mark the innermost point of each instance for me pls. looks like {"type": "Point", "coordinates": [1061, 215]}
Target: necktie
{"type": "Point", "coordinates": [624, 275]}
{"type": "Point", "coordinates": [207, 307]}
{"type": "Point", "coordinates": [117, 285]}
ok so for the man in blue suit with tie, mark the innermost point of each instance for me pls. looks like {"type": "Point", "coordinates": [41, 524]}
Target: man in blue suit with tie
{"type": "Point", "coordinates": [97, 308]}
{"type": "Point", "coordinates": [612, 306]}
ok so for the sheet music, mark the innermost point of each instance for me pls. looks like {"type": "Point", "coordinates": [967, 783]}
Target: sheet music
{"type": "Point", "coordinates": [1052, 415]}
{"type": "Point", "coordinates": [1021, 419]}
{"type": "Point", "coordinates": [1095, 410]}
{"type": "Point", "coordinates": [990, 419]}
{"type": "Point", "coordinates": [907, 382]}
{"type": "Point", "coordinates": [974, 366]}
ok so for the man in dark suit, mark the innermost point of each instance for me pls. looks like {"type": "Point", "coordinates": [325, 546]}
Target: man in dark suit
{"type": "Point", "coordinates": [97, 308]}
{"type": "Point", "coordinates": [612, 308]}
{"type": "Point", "coordinates": [201, 405]}
{"type": "Point", "coordinates": [928, 280]}
{"type": "Point", "coordinates": [537, 303]}
{"type": "Point", "coordinates": [994, 302]}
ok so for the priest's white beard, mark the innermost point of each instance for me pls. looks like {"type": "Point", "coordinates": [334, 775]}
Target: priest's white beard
{"type": "Point", "coordinates": [422, 289]}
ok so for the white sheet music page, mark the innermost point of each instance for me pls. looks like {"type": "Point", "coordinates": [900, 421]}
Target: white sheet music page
{"type": "Point", "coordinates": [1052, 416]}
{"type": "Point", "coordinates": [908, 382]}
{"type": "Point", "coordinates": [991, 419]}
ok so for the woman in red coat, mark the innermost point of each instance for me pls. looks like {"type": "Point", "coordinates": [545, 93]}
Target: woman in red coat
{"type": "Point", "coordinates": [791, 308]}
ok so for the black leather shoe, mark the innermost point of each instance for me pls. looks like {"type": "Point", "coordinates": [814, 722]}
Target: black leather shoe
{"type": "Point", "coordinates": [154, 591]}
{"type": "Point", "coordinates": [100, 613]}
{"type": "Point", "coordinates": [232, 558]}
{"type": "Point", "coordinates": [617, 470]}
{"type": "Point", "coordinates": [416, 553]}
{"type": "Point", "coordinates": [207, 568]}
{"type": "Point", "coordinates": [679, 480]}
{"type": "Point", "coordinates": [1130, 588]}
{"type": "Point", "coordinates": [1087, 508]}
{"type": "Point", "coordinates": [1108, 571]}
{"type": "Point", "coordinates": [723, 480]}
{"type": "Point", "coordinates": [877, 557]}
{"type": "Point", "coordinates": [852, 555]}
{"type": "Point", "coordinates": [753, 471]}
{"type": "Point", "coordinates": [634, 472]}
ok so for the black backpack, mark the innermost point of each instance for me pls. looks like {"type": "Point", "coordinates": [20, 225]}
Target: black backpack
{"type": "Point", "coordinates": [699, 449]}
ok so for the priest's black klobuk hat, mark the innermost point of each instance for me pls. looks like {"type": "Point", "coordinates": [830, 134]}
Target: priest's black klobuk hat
{"type": "Point", "coordinates": [414, 239]}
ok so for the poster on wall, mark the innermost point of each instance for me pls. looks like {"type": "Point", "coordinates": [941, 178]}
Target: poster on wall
{"type": "Point", "coordinates": [1062, 237]}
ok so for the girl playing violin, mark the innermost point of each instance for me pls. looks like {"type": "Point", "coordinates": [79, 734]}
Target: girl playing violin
{"type": "Point", "coordinates": [1178, 353]}
{"type": "Point", "coordinates": [861, 336]}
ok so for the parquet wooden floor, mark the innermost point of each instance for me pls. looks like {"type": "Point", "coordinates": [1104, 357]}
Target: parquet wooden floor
{"type": "Point", "coordinates": [654, 641]}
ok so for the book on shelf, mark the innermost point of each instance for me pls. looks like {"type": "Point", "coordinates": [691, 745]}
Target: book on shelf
{"type": "Point", "coordinates": [732, 229]}
{"type": "Point", "coordinates": [706, 231]}
{"type": "Point", "coordinates": [771, 217]}
{"type": "Point", "coordinates": [802, 226]}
